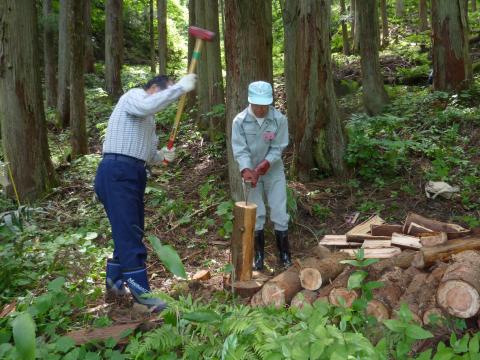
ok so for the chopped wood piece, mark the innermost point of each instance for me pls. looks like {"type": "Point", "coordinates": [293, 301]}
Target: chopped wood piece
{"type": "Point", "coordinates": [280, 290]}
{"type": "Point", "coordinates": [116, 332]}
{"type": "Point", "coordinates": [415, 229]}
{"type": "Point", "coordinates": [378, 310]}
{"type": "Point", "coordinates": [362, 231]}
{"type": "Point", "coordinates": [244, 289]}
{"type": "Point", "coordinates": [459, 290]}
{"type": "Point", "coordinates": [433, 238]}
{"type": "Point", "coordinates": [453, 230]}
{"type": "Point", "coordinates": [406, 241]}
{"type": "Point", "coordinates": [349, 296]}
{"type": "Point", "coordinates": [314, 272]}
{"type": "Point", "coordinates": [426, 257]}
{"type": "Point", "coordinates": [303, 298]}
{"type": "Point", "coordinates": [337, 240]}
{"type": "Point", "coordinates": [242, 239]}
{"type": "Point", "coordinates": [202, 275]}
{"type": "Point", "coordinates": [256, 300]}
{"type": "Point", "coordinates": [8, 309]}
{"type": "Point", "coordinates": [376, 244]}
{"type": "Point", "coordinates": [385, 229]}
{"type": "Point", "coordinates": [376, 253]}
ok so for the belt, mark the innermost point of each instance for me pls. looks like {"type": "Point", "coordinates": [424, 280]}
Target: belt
{"type": "Point", "coordinates": [124, 158]}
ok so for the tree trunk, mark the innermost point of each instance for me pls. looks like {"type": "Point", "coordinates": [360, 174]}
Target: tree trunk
{"type": "Point", "coordinates": [248, 52]}
{"type": "Point", "coordinates": [423, 15]}
{"type": "Point", "coordinates": [452, 68]}
{"type": "Point", "coordinates": [215, 79]}
{"type": "Point", "coordinates": [474, 5]}
{"type": "Point", "coordinates": [153, 62]}
{"type": "Point", "coordinates": [89, 55]}
{"type": "Point", "coordinates": [399, 8]}
{"type": "Point", "coordinates": [113, 48]}
{"type": "Point", "coordinates": [315, 123]}
{"type": "Point", "coordinates": [346, 42]}
{"type": "Point", "coordinates": [49, 58]}
{"type": "Point", "coordinates": [355, 27]}
{"type": "Point", "coordinates": [78, 126]}
{"type": "Point", "coordinates": [192, 95]}
{"type": "Point", "coordinates": [162, 36]}
{"type": "Point", "coordinates": [22, 116]}
{"type": "Point", "coordinates": [63, 94]}
{"type": "Point", "coordinates": [384, 14]}
{"type": "Point", "coordinates": [202, 71]}
{"type": "Point", "coordinates": [374, 95]}
{"type": "Point", "coordinates": [222, 14]}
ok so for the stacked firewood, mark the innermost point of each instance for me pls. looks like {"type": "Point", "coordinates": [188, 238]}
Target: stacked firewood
{"type": "Point", "coordinates": [435, 271]}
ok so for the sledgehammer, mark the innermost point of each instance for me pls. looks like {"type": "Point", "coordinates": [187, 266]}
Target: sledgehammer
{"type": "Point", "coordinates": [200, 35]}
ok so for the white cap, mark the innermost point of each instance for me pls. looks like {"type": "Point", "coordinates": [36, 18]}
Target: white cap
{"type": "Point", "coordinates": [260, 93]}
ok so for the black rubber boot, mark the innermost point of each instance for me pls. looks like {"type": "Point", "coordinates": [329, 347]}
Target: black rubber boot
{"type": "Point", "coordinates": [283, 247]}
{"type": "Point", "coordinates": [259, 247]}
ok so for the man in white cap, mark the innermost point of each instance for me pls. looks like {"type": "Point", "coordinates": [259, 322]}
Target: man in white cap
{"type": "Point", "coordinates": [259, 136]}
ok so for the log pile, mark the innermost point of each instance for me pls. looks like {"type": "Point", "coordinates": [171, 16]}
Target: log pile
{"type": "Point", "coordinates": [435, 271]}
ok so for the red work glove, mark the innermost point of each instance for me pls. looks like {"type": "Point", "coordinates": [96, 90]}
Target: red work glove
{"type": "Point", "coordinates": [263, 167]}
{"type": "Point", "coordinates": [250, 176]}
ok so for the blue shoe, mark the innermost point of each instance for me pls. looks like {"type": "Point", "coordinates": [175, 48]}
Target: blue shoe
{"type": "Point", "coordinates": [114, 281]}
{"type": "Point", "coordinates": [137, 282]}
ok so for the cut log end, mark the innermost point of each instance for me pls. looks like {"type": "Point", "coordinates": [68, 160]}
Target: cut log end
{"type": "Point", "coordinates": [305, 297]}
{"type": "Point", "coordinates": [349, 296]}
{"type": "Point", "coordinates": [256, 300]}
{"type": "Point", "coordinates": [458, 298]}
{"type": "Point", "coordinates": [311, 279]}
{"type": "Point", "coordinates": [272, 294]}
{"type": "Point", "coordinates": [378, 310]}
{"type": "Point", "coordinates": [243, 205]}
{"type": "Point", "coordinates": [432, 316]}
{"type": "Point", "coordinates": [244, 289]}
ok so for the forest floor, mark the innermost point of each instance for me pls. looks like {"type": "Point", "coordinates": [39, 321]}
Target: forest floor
{"type": "Point", "coordinates": [421, 136]}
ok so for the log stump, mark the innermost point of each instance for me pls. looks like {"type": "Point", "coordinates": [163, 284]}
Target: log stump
{"type": "Point", "coordinates": [242, 240]}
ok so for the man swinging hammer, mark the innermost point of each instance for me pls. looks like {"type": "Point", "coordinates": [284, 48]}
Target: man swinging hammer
{"type": "Point", "coordinates": [259, 136]}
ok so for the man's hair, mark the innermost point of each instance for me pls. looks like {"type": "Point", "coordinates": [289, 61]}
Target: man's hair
{"type": "Point", "coordinates": [161, 81]}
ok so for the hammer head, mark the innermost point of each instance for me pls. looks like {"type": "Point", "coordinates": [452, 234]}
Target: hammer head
{"type": "Point", "coordinates": [200, 33]}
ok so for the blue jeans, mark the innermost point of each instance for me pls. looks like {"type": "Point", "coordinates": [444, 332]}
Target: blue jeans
{"type": "Point", "coordinates": [120, 186]}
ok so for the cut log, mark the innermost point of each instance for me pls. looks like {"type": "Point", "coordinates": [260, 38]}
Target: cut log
{"type": "Point", "coordinates": [303, 298]}
{"type": "Point", "coordinates": [280, 290]}
{"type": "Point", "coordinates": [320, 252]}
{"type": "Point", "coordinates": [426, 257]}
{"type": "Point", "coordinates": [362, 231]}
{"type": "Point", "coordinates": [376, 244]}
{"type": "Point", "coordinates": [453, 230]}
{"type": "Point", "coordinates": [392, 290]}
{"type": "Point", "coordinates": [459, 290]}
{"type": "Point", "coordinates": [243, 289]}
{"type": "Point", "coordinates": [403, 261]}
{"type": "Point", "coordinates": [385, 229]}
{"type": "Point", "coordinates": [348, 296]}
{"type": "Point", "coordinates": [414, 229]}
{"type": "Point", "coordinates": [256, 300]}
{"type": "Point", "coordinates": [384, 253]}
{"type": "Point", "coordinates": [406, 241]}
{"type": "Point", "coordinates": [314, 272]}
{"type": "Point", "coordinates": [242, 239]}
{"type": "Point", "coordinates": [337, 240]}
{"type": "Point", "coordinates": [340, 281]}
{"type": "Point", "coordinates": [432, 314]}
{"type": "Point", "coordinates": [378, 310]}
{"type": "Point", "coordinates": [202, 275]}
{"type": "Point", "coordinates": [434, 238]}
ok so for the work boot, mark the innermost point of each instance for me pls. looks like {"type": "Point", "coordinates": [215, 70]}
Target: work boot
{"type": "Point", "coordinates": [137, 282]}
{"type": "Point", "coordinates": [283, 248]}
{"type": "Point", "coordinates": [259, 247]}
{"type": "Point", "coordinates": [114, 281]}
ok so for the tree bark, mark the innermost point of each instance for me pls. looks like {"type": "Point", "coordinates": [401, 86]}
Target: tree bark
{"type": "Point", "coordinates": [78, 125]}
{"type": "Point", "coordinates": [63, 94]}
{"type": "Point", "coordinates": [202, 71]}
{"type": "Point", "coordinates": [315, 124]}
{"type": "Point", "coordinates": [453, 231]}
{"type": "Point", "coordinates": [153, 62]}
{"type": "Point", "coordinates": [248, 52]}
{"type": "Point", "coordinates": [474, 5]}
{"type": "Point", "coordinates": [22, 116]}
{"type": "Point", "coordinates": [346, 41]}
{"type": "Point", "coordinates": [399, 8]}
{"type": "Point", "coordinates": [49, 58]}
{"type": "Point", "coordinates": [423, 15]}
{"type": "Point", "coordinates": [113, 48]}
{"type": "Point", "coordinates": [452, 68]}
{"type": "Point", "coordinates": [192, 95]}
{"type": "Point", "coordinates": [162, 36]}
{"type": "Point", "coordinates": [374, 95]}
{"type": "Point", "coordinates": [383, 11]}
{"type": "Point", "coordinates": [355, 27]}
{"type": "Point", "coordinates": [89, 55]}
{"type": "Point", "coordinates": [242, 240]}
{"type": "Point", "coordinates": [282, 288]}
